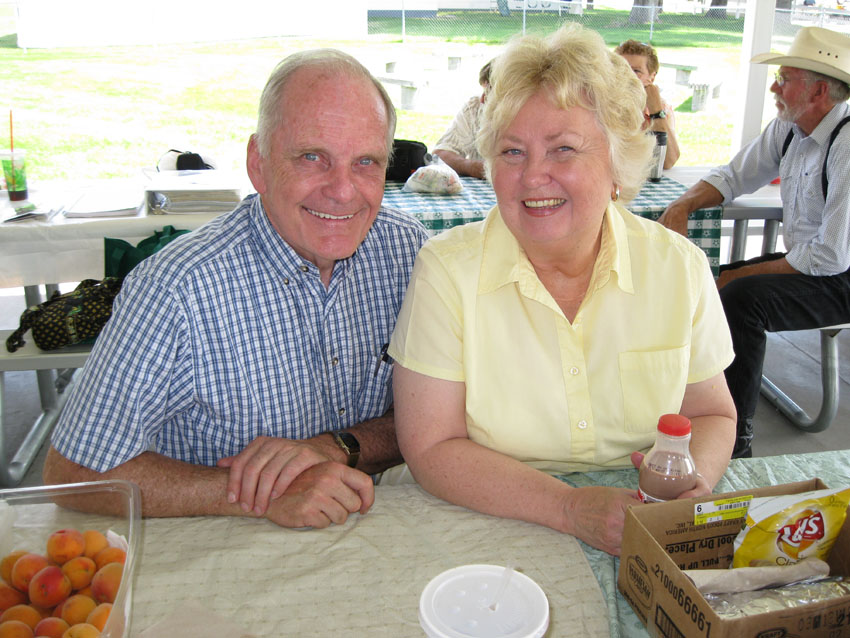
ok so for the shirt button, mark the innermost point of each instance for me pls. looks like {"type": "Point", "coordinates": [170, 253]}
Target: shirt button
{"type": "Point", "coordinates": [285, 281]}
{"type": "Point", "coordinates": [573, 371]}
{"type": "Point", "coordinates": [334, 361]}
{"type": "Point", "coordinates": [582, 424]}
{"type": "Point", "coordinates": [341, 411]}
{"type": "Point", "coordinates": [304, 268]}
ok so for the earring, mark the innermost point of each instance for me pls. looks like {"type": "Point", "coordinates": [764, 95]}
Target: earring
{"type": "Point", "coordinates": [615, 194]}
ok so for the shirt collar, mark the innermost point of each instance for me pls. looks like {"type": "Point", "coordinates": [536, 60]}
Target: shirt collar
{"type": "Point", "coordinates": [825, 127]}
{"type": "Point", "coordinates": [504, 261]}
{"type": "Point", "coordinates": [282, 255]}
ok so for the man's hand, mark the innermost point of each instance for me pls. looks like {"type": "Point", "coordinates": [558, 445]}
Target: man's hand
{"type": "Point", "coordinates": [267, 466]}
{"type": "Point", "coordinates": [675, 217]}
{"type": "Point", "coordinates": [323, 494]}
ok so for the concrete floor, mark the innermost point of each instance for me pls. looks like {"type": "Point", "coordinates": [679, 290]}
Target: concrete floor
{"type": "Point", "coordinates": [792, 362]}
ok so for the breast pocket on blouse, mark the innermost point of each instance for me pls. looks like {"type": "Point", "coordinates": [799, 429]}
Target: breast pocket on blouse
{"type": "Point", "coordinates": [653, 383]}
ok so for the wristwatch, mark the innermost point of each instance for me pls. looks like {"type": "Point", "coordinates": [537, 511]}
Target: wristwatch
{"type": "Point", "coordinates": [348, 444]}
{"type": "Point", "coordinates": [661, 115]}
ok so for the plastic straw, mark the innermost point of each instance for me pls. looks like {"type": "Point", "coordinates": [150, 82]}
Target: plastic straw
{"type": "Point", "coordinates": [11, 187]}
{"type": "Point", "coordinates": [503, 585]}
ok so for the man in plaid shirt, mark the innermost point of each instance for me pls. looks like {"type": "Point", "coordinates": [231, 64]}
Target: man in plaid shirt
{"type": "Point", "coordinates": [244, 370]}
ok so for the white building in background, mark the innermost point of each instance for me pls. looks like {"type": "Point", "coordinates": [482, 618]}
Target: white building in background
{"type": "Point", "coordinates": [65, 23]}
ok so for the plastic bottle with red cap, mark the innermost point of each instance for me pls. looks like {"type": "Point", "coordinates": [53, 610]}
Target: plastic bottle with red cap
{"type": "Point", "coordinates": [668, 468]}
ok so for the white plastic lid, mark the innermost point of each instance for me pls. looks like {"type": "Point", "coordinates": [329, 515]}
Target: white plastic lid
{"type": "Point", "coordinates": [456, 604]}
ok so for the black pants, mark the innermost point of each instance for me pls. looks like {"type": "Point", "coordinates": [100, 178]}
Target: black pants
{"type": "Point", "coordinates": [772, 303]}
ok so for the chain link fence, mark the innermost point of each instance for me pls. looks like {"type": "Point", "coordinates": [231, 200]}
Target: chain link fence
{"type": "Point", "coordinates": [686, 23]}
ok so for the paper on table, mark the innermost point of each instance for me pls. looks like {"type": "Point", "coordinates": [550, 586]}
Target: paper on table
{"type": "Point", "coordinates": [106, 203]}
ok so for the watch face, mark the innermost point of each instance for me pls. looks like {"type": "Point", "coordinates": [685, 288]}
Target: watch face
{"type": "Point", "coordinates": [350, 442]}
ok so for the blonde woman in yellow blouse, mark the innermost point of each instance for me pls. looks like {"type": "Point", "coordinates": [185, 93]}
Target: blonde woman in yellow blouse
{"type": "Point", "coordinates": [552, 335]}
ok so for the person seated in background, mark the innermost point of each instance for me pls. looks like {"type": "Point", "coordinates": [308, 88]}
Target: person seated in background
{"type": "Point", "coordinates": [457, 147]}
{"type": "Point", "coordinates": [658, 114]}
{"type": "Point", "coordinates": [808, 146]}
{"type": "Point", "coordinates": [552, 335]}
{"type": "Point", "coordinates": [243, 371]}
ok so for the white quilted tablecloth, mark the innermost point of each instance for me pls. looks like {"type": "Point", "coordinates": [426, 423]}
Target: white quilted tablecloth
{"type": "Point", "coordinates": [360, 579]}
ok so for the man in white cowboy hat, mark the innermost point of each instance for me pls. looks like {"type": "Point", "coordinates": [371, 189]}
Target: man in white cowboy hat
{"type": "Point", "coordinates": [808, 146]}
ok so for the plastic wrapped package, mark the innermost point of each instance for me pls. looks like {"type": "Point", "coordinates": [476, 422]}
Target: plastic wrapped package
{"type": "Point", "coordinates": [436, 177]}
{"type": "Point", "coordinates": [751, 603]}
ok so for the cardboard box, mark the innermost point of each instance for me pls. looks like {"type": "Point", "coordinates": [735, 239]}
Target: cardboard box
{"type": "Point", "coordinates": [662, 539]}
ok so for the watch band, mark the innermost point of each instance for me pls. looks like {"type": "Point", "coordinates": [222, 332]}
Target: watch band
{"type": "Point", "coordinates": [661, 115]}
{"type": "Point", "coordinates": [349, 444]}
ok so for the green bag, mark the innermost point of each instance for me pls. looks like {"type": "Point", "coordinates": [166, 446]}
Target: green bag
{"type": "Point", "coordinates": [120, 257]}
{"type": "Point", "coordinates": [63, 320]}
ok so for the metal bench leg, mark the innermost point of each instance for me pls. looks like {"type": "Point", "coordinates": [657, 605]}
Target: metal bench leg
{"type": "Point", "coordinates": [829, 381]}
{"type": "Point", "coordinates": [13, 472]}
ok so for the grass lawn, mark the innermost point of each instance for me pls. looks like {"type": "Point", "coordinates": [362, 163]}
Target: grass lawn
{"type": "Point", "coordinates": [112, 111]}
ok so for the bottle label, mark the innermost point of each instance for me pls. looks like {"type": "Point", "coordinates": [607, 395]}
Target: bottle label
{"type": "Point", "coordinates": [646, 498]}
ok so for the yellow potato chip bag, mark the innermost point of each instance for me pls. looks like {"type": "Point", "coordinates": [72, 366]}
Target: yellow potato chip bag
{"type": "Point", "coordinates": [781, 530]}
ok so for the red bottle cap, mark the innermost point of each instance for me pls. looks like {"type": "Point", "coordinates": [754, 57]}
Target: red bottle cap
{"type": "Point", "coordinates": [674, 425]}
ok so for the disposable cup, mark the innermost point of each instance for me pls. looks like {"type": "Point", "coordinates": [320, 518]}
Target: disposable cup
{"type": "Point", "coordinates": [15, 174]}
{"type": "Point", "coordinates": [457, 604]}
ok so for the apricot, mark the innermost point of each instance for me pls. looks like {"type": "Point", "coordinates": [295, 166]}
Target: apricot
{"type": "Point", "coordinates": [51, 627]}
{"type": "Point", "coordinates": [95, 541]}
{"type": "Point", "coordinates": [106, 581]}
{"type": "Point", "coordinates": [79, 571]}
{"type": "Point", "coordinates": [7, 562]}
{"type": "Point", "coordinates": [25, 568]}
{"type": "Point", "coordinates": [49, 587]}
{"type": "Point", "coordinates": [65, 544]}
{"type": "Point", "coordinates": [82, 630]}
{"type": "Point", "coordinates": [57, 611]}
{"type": "Point", "coordinates": [77, 608]}
{"type": "Point", "coordinates": [86, 591]}
{"type": "Point", "coordinates": [25, 613]}
{"type": "Point", "coordinates": [10, 596]}
{"type": "Point", "coordinates": [15, 629]}
{"type": "Point", "coordinates": [110, 555]}
{"type": "Point", "coordinates": [100, 615]}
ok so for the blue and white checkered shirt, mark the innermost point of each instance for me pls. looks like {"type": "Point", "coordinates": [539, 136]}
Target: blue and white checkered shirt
{"type": "Point", "coordinates": [227, 334]}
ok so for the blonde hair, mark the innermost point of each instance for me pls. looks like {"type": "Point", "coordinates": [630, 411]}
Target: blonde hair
{"type": "Point", "coordinates": [576, 67]}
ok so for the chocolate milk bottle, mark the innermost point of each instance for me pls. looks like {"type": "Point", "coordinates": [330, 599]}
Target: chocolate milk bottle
{"type": "Point", "coordinates": [668, 469]}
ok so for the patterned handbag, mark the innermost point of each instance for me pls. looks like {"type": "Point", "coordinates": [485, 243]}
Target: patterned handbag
{"type": "Point", "coordinates": [64, 320]}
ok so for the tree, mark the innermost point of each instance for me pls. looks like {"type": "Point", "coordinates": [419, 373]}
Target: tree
{"type": "Point", "coordinates": [717, 10]}
{"type": "Point", "coordinates": [645, 11]}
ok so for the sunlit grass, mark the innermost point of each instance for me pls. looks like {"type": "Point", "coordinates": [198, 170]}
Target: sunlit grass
{"type": "Point", "coordinates": [113, 111]}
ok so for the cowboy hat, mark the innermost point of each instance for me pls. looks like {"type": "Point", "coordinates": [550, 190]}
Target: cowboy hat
{"type": "Point", "coordinates": [815, 49]}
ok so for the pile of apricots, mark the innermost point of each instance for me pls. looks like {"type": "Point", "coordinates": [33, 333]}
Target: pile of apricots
{"type": "Point", "coordinates": [67, 592]}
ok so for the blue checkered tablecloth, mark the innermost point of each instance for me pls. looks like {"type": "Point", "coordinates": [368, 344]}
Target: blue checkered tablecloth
{"type": "Point", "coordinates": [441, 212]}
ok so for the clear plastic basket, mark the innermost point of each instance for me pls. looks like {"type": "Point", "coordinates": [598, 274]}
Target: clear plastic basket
{"type": "Point", "coordinates": [29, 515]}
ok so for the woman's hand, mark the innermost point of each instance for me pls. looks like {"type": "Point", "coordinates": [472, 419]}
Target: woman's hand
{"type": "Point", "coordinates": [596, 515]}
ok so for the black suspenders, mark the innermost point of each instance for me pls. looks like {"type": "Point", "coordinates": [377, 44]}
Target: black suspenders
{"type": "Point", "coordinates": [823, 178]}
